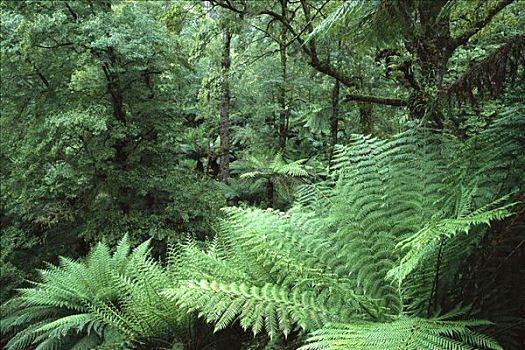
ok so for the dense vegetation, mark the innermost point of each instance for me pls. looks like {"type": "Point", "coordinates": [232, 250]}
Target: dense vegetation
{"type": "Point", "coordinates": [238, 174]}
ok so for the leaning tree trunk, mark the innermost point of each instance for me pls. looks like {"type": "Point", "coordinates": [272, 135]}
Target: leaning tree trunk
{"type": "Point", "coordinates": [225, 107]}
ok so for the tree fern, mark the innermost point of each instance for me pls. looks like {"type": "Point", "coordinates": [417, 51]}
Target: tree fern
{"type": "Point", "coordinates": [363, 260]}
{"type": "Point", "coordinates": [266, 265]}
{"type": "Point", "coordinates": [272, 171]}
{"type": "Point", "coordinates": [272, 308]}
{"type": "Point", "coordinates": [106, 299]}
{"type": "Point", "coordinates": [370, 259]}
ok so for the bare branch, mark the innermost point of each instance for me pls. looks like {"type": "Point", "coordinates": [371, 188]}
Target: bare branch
{"type": "Point", "coordinates": [54, 46]}
{"type": "Point", "coordinates": [310, 50]}
{"type": "Point", "coordinates": [375, 100]}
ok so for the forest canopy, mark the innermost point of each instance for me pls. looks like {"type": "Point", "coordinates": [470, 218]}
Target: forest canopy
{"type": "Point", "coordinates": [262, 174]}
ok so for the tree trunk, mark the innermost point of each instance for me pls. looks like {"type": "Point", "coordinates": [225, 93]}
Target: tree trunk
{"type": "Point", "coordinates": [269, 192]}
{"type": "Point", "coordinates": [114, 88]}
{"type": "Point", "coordinates": [365, 118]}
{"type": "Point", "coordinates": [225, 107]}
{"type": "Point", "coordinates": [433, 48]}
{"type": "Point", "coordinates": [334, 119]}
{"type": "Point", "coordinates": [281, 97]}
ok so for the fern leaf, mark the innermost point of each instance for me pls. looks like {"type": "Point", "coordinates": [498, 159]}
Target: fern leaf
{"type": "Point", "coordinates": [409, 333]}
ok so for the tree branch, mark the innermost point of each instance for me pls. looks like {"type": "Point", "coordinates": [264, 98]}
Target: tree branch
{"type": "Point", "coordinates": [309, 47]}
{"type": "Point", "coordinates": [489, 75]}
{"type": "Point", "coordinates": [39, 74]}
{"type": "Point", "coordinates": [54, 46]}
{"type": "Point", "coordinates": [375, 100]}
{"type": "Point", "coordinates": [73, 13]}
{"type": "Point", "coordinates": [477, 26]}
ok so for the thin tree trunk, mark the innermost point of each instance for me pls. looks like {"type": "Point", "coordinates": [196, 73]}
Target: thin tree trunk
{"type": "Point", "coordinates": [269, 193]}
{"type": "Point", "coordinates": [116, 92]}
{"type": "Point", "coordinates": [365, 118]}
{"type": "Point", "coordinates": [282, 101]}
{"type": "Point", "coordinates": [225, 107]}
{"type": "Point", "coordinates": [334, 119]}
{"type": "Point", "coordinates": [283, 110]}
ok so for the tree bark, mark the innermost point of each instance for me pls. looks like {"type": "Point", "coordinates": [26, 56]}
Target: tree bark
{"type": "Point", "coordinates": [283, 109]}
{"type": "Point", "coordinates": [376, 100]}
{"type": "Point", "coordinates": [334, 119]}
{"type": "Point", "coordinates": [365, 118]}
{"type": "Point", "coordinates": [269, 192]}
{"type": "Point", "coordinates": [114, 89]}
{"type": "Point", "coordinates": [225, 107]}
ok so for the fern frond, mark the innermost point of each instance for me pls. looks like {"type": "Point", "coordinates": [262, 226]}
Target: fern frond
{"type": "Point", "coordinates": [404, 333]}
{"type": "Point", "coordinates": [421, 243]}
{"type": "Point", "coordinates": [94, 299]}
{"type": "Point", "coordinates": [87, 342]}
{"type": "Point", "coordinates": [271, 307]}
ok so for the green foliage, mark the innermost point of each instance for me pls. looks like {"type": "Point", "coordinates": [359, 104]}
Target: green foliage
{"type": "Point", "coordinates": [403, 333]}
{"type": "Point", "coordinates": [91, 132]}
{"type": "Point", "coordinates": [108, 300]}
{"type": "Point", "coordinates": [269, 296]}
{"type": "Point", "coordinates": [14, 243]}
{"type": "Point", "coordinates": [396, 214]}
{"type": "Point", "coordinates": [358, 271]}
{"type": "Point", "coordinates": [267, 173]}
{"type": "Point", "coordinates": [111, 123]}
{"type": "Point", "coordinates": [418, 245]}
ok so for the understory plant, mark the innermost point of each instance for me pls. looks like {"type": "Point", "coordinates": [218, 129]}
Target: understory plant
{"type": "Point", "coordinates": [374, 257]}
{"type": "Point", "coordinates": [107, 301]}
